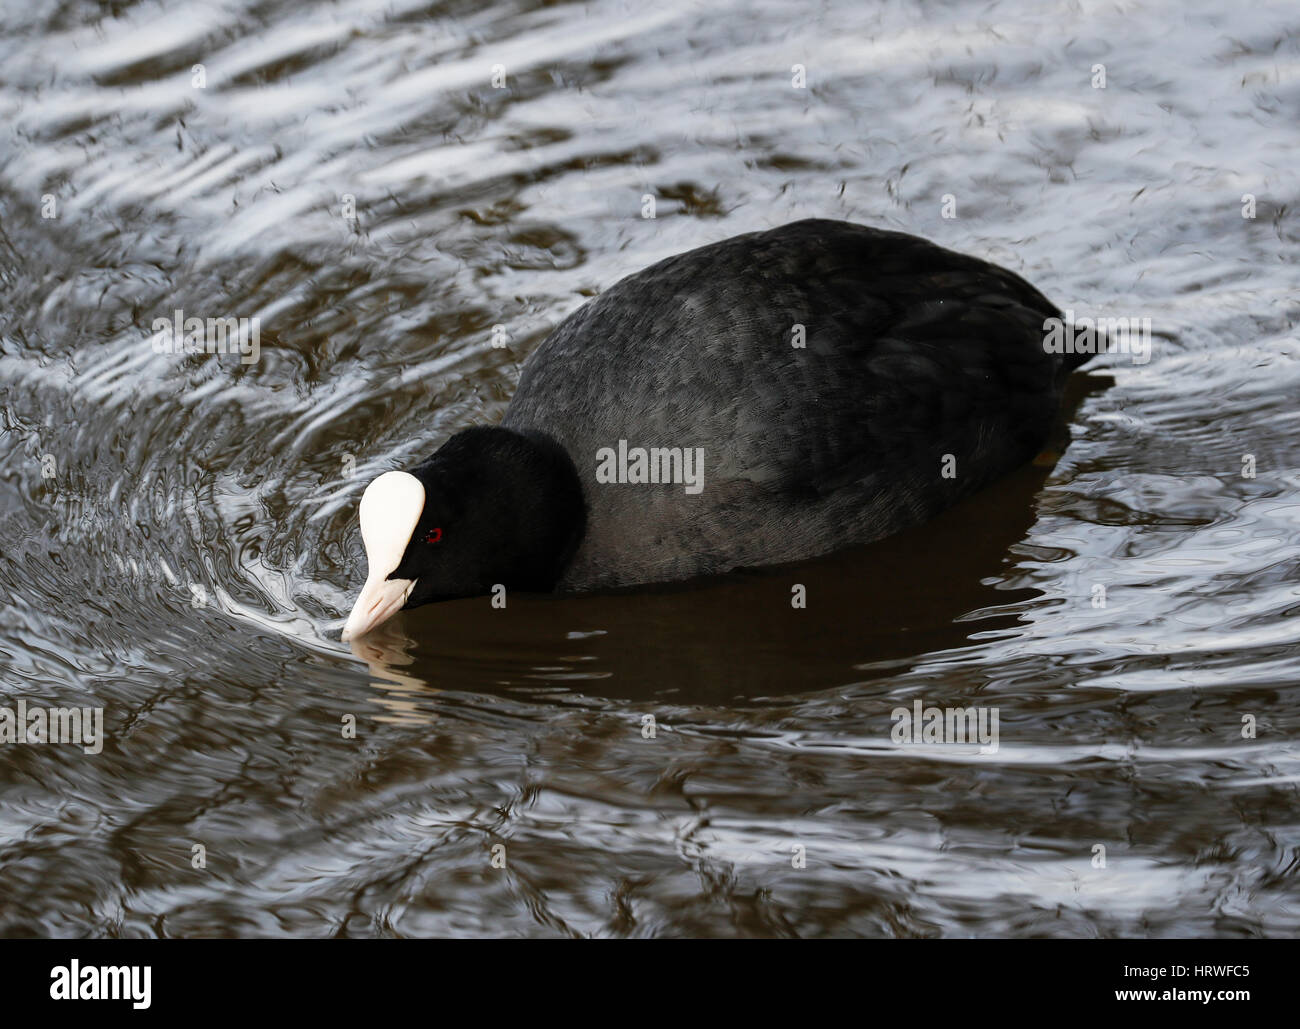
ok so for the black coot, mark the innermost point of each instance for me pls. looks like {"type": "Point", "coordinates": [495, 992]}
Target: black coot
{"type": "Point", "coordinates": [772, 397]}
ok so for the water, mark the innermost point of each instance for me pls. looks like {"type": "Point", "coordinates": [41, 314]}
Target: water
{"type": "Point", "coordinates": [179, 535]}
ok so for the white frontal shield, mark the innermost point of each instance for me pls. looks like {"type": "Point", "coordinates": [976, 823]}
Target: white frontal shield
{"type": "Point", "coordinates": [390, 510]}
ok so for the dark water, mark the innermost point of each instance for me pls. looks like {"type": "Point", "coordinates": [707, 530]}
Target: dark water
{"type": "Point", "coordinates": [179, 543]}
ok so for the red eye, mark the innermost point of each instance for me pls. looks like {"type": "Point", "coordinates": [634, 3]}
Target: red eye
{"type": "Point", "coordinates": [434, 536]}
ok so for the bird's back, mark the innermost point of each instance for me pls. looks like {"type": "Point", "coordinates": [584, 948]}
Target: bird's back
{"type": "Point", "coordinates": [826, 372]}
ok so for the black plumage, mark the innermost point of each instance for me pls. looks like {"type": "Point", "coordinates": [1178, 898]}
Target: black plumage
{"type": "Point", "coordinates": [841, 383]}
{"type": "Point", "coordinates": [913, 355]}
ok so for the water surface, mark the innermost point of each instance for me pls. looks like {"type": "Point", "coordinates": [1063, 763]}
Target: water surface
{"type": "Point", "coordinates": [179, 531]}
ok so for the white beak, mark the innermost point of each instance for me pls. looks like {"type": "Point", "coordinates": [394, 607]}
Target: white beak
{"type": "Point", "coordinates": [380, 599]}
{"type": "Point", "coordinates": [390, 509]}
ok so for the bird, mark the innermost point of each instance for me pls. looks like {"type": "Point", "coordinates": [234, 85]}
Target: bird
{"type": "Point", "coordinates": [775, 396]}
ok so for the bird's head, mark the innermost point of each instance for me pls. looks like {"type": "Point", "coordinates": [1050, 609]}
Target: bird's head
{"type": "Point", "coordinates": [491, 507]}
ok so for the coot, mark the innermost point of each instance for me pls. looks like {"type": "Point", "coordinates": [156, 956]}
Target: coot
{"type": "Point", "coordinates": [769, 398]}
